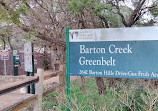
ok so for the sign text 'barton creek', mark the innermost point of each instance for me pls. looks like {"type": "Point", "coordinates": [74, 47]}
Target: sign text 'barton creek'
{"type": "Point", "coordinates": [113, 49]}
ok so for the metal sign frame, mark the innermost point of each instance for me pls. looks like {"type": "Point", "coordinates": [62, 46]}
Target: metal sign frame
{"type": "Point", "coordinates": [29, 64]}
{"type": "Point", "coordinates": [68, 68]}
{"type": "Point", "coordinates": [4, 55]}
{"type": "Point", "coordinates": [28, 57]}
{"type": "Point", "coordinates": [130, 41]}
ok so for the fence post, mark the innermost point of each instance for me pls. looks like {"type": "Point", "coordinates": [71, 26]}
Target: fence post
{"type": "Point", "coordinates": [38, 104]}
{"type": "Point", "coordinates": [61, 82]}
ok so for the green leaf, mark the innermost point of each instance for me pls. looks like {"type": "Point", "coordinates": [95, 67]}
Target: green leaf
{"type": "Point", "coordinates": [23, 9]}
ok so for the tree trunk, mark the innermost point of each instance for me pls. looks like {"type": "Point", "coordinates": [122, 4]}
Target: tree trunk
{"type": "Point", "coordinates": [101, 86]}
{"type": "Point", "coordinates": [81, 25]}
{"type": "Point", "coordinates": [83, 84]}
{"type": "Point", "coordinates": [99, 80]}
{"type": "Point", "coordinates": [111, 82]}
{"type": "Point", "coordinates": [53, 54]}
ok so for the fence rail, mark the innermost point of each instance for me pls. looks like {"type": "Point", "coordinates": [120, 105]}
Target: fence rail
{"type": "Point", "coordinates": [37, 98]}
{"type": "Point", "coordinates": [18, 85]}
{"type": "Point", "coordinates": [31, 100]}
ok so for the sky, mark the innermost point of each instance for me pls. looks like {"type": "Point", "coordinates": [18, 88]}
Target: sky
{"type": "Point", "coordinates": [147, 16]}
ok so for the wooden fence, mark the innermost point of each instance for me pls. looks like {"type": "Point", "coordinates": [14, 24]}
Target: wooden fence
{"type": "Point", "coordinates": [37, 98]}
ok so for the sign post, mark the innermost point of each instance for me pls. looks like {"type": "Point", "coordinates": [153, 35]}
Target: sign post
{"type": "Point", "coordinates": [68, 68]}
{"type": "Point", "coordinates": [29, 63]}
{"type": "Point", "coordinates": [4, 54]}
{"type": "Point", "coordinates": [32, 73]}
{"type": "Point", "coordinates": [15, 62]}
{"type": "Point", "coordinates": [5, 72]}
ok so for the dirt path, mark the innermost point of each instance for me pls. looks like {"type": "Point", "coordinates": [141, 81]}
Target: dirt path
{"type": "Point", "coordinates": [23, 77]}
{"type": "Point", "coordinates": [56, 79]}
